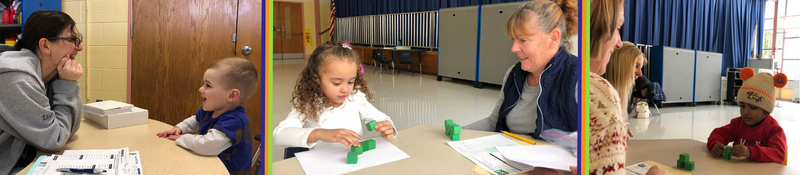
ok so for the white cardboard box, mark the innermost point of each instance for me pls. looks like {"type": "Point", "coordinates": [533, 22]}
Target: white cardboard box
{"type": "Point", "coordinates": [107, 107]}
{"type": "Point", "coordinates": [137, 116]}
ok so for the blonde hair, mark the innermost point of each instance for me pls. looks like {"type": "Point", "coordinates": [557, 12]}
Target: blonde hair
{"type": "Point", "coordinates": [603, 21]}
{"type": "Point", "coordinates": [308, 97]}
{"type": "Point", "coordinates": [557, 14]}
{"type": "Point", "coordinates": [238, 73]}
{"type": "Point", "coordinates": [619, 70]}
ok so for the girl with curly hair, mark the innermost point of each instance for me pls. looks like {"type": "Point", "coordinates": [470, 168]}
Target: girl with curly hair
{"type": "Point", "coordinates": [330, 102]}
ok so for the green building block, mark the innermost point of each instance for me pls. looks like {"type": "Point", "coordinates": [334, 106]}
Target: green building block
{"type": "Point", "coordinates": [364, 146]}
{"type": "Point", "coordinates": [371, 125]}
{"type": "Point", "coordinates": [371, 143]}
{"type": "Point", "coordinates": [681, 164]}
{"type": "Point", "coordinates": [684, 157]}
{"type": "Point", "coordinates": [352, 158]}
{"type": "Point", "coordinates": [727, 153]}
{"type": "Point", "coordinates": [357, 150]}
{"type": "Point", "coordinates": [447, 124]}
{"type": "Point", "coordinates": [689, 166]}
{"type": "Point", "coordinates": [455, 137]}
{"type": "Point", "coordinates": [368, 145]}
{"type": "Point", "coordinates": [455, 129]}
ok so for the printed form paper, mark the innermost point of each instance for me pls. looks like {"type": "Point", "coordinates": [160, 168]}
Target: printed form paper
{"type": "Point", "coordinates": [547, 156]}
{"type": "Point", "coordinates": [483, 152]}
{"type": "Point", "coordinates": [114, 161]}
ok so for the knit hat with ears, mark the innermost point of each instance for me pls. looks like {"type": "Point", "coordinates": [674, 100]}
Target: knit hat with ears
{"type": "Point", "coordinates": [759, 89]}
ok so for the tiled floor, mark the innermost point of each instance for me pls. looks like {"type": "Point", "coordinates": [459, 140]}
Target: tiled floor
{"type": "Point", "coordinates": [421, 100]}
{"type": "Point", "coordinates": [681, 122]}
{"type": "Point", "coordinates": [408, 100]}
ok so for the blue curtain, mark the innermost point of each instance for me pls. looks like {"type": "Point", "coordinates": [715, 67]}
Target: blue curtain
{"type": "Point", "coordinates": [347, 8]}
{"type": "Point", "coordinates": [722, 26]}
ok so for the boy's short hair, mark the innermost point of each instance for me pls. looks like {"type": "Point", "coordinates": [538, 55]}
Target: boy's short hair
{"type": "Point", "coordinates": [238, 73]}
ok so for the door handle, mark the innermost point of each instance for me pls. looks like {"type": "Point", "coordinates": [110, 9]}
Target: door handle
{"type": "Point", "coordinates": [246, 50]}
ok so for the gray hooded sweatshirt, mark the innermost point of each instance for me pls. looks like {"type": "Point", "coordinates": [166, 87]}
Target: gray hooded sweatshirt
{"type": "Point", "coordinates": [32, 112]}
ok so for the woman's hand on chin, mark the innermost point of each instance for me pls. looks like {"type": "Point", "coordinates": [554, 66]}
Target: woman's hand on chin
{"type": "Point", "coordinates": [69, 69]}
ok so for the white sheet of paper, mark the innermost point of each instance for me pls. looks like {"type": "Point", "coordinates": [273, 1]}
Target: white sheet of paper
{"type": "Point", "coordinates": [109, 160]}
{"type": "Point", "coordinates": [482, 151]}
{"type": "Point", "coordinates": [333, 159]}
{"type": "Point", "coordinates": [547, 156]}
{"type": "Point", "coordinates": [640, 168]}
{"type": "Point", "coordinates": [39, 169]}
{"type": "Point", "coordinates": [637, 169]}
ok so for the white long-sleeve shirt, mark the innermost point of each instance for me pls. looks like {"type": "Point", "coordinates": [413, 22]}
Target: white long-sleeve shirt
{"type": "Point", "coordinates": [293, 132]}
{"type": "Point", "coordinates": [210, 144]}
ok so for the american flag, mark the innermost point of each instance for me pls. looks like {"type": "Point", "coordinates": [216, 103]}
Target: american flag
{"type": "Point", "coordinates": [333, 17]}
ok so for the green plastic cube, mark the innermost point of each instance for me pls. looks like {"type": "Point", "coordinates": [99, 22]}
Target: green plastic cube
{"type": "Point", "coordinates": [455, 137]}
{"type": "Point", "coordinates": [728, 153]}
{"type": "Point", "coordinates": [681, 164]}
{"type": "Point", "coordinates": [368, 145]}
{"type": "Point", "coordinates": [371, 125]}
{"type": "Point", "coordinates": [357, 150]}
{"type": "Point", "coordinates": [371, 144]}
{"type": "Point", "coordinates": [448, 122]}
{"type": "Point", "coordinates": [364, 146]}
{"type": "Point", "coordinates": [352, 158]}
{"type": "Point", "coordinates": [455, 129]}
{"type": "Point", "coordinates": [689, 166]}
{"type": "Point", "coordinates": [684, 157]}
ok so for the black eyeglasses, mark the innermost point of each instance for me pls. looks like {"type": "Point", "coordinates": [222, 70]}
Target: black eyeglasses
{"type": "Point", "coordinates": [75, 40]}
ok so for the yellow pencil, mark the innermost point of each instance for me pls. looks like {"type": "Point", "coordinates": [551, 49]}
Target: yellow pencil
{"type": "Point", "coordinates": [520, 138]}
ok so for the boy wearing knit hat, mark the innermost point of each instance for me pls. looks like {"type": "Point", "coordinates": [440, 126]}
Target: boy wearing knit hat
{"type": "Point", "coordinates": [755, 134]}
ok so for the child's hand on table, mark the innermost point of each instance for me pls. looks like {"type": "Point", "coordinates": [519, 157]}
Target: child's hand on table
{"type": "Point", "coordinates": [344, 136]}
{"type": "Point", "coordinates": [741, 151]}
{"type": "Point", "coordinates": [717, 150]}
{"type": "Point", "coordinates": [656, 170]}
{"type": "Point", "coordinates": [166, 134]}
{"type": "Point", "coordinates": [174, 137]}
{"type": "Point", "coordinates": [386, 128]}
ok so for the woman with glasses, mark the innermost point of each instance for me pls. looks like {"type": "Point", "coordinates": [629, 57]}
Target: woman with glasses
{"type": "Point", "coordinates": [40, 104]}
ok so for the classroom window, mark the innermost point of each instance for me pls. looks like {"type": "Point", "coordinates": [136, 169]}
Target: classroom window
{"type": "Point", "coordinates": [781, 42]}
{"type": "Point", "coordinates": [792, 69]}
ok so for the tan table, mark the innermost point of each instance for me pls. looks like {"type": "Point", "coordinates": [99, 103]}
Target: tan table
{"type": "Point", "coordinates": [427, 149]}
{"type": "Point", "coordinates": [668, 151]}
{"type": "Point", "coordinates": [159, 155]}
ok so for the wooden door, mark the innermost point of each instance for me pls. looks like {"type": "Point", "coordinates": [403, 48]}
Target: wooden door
{"type": "Point", "coordinates": [248, 33]}
{"type": "Point", "coordinates": [277, 22]}
{"type": "Point", "coordinates": [173, 44]}
{"type": "Point", "coordinates": [291, 29]}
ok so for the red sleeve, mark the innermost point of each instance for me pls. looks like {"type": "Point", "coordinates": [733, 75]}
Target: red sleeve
{"type": "Point", "coordinates": [724, 134]}
{"type": "Point", "coordinates": [775, 151]}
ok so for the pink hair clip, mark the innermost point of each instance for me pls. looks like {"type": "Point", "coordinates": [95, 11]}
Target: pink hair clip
{"type": "Point", "coordinates": [347, 45]}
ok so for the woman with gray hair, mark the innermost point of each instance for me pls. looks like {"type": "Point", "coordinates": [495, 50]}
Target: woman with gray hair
{"type": "Point", "coordinates": [540, 92]}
